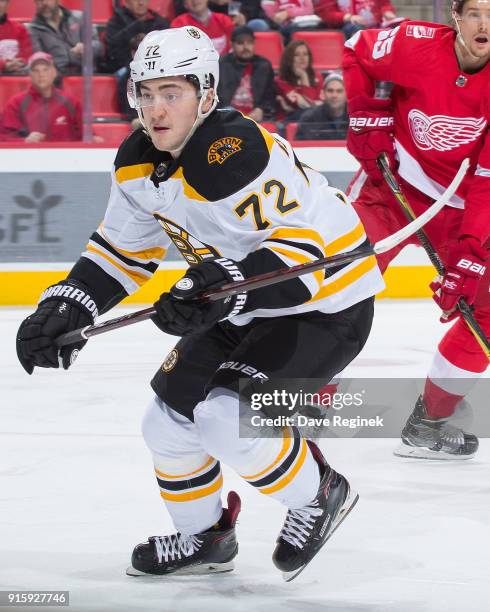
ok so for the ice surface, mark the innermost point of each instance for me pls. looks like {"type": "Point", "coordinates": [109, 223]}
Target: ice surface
{"type": "Point", "coordinates": [77, 492]}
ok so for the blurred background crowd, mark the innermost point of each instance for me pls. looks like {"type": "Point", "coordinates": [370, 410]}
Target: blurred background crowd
{"type": "Point", "coordinates": [280, 62]}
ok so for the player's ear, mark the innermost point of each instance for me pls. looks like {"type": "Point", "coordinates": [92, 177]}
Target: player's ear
{"type": "Point", "coordinates": [208, 102]}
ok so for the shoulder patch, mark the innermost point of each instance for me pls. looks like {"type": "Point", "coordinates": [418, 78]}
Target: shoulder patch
{"type": "Point", "coordinates": [226, 153]}
{"type": "Point", "coordinates": [420, 31]}
{"type": "Point", "coordinates": [223, 148]}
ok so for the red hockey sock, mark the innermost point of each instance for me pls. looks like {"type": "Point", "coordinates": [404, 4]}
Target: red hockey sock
{"type": "Point", "coordinates": [439, 403]}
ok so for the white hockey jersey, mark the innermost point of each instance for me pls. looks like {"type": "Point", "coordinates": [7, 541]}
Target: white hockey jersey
{"type": "Point", "coordinates": [235, 189]}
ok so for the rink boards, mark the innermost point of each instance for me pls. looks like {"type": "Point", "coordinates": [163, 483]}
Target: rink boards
{"type": "Point", "coordinates": [52, 199]}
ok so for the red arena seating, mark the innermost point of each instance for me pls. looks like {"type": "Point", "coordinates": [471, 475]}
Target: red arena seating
{"type": "Point", "coordinates": [269, 45]}
{"type": "Point", "coordinates": [21, 10]}
{"type": "Point", "coordinates": [112, 133]}
{"type": "Point", "coordinates": [101, 9]}
{"type": "Point", "coordinates": [11, 85]}
{"type": "Point", "coordinates": [163, 7]}
{"type": "Point", "coordinates": [269, 126]}
{"type": "Point", "coordinates": [105, 101]}
{"type": "Point", "coordinates": [326, 47]}
{"type": "Point", "coordinates": [291, 131]}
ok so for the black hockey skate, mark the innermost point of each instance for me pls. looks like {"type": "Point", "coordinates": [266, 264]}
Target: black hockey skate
{"type": "Point", "coordinates": [306, 529]}
{"type": "Point", "coordinates": [209, 552]}
{"type": "Point", "coordinates": [426, 438]}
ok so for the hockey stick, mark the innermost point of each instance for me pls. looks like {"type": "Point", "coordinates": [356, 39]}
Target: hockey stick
{"type": "Point", "coordinates": [463, 306]}
{"type": "Point", "coordinates": [278, 276]}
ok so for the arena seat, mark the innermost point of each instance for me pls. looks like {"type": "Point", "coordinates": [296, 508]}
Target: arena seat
{"type": "Point", "coordinates": [101, 9]}
{"type": "Point", "coordinates": [11, 85]}
{"type": "Point", "coordinates": [269, 126]}
{"type": "Point", "coordinates": [291, 131]}
{"type": "Point", "coordinates": [21, 10]}
{"type": "Point", "coordinates": [163, 7]}
{"type": "Point", "coordinates": [112, 133]}
{"type": "Point", "coordinates": [326, 47]}
{"type": "Point", "coordinates": [269, 45]}
{"type": "Point", "coordinates": [105, 102]}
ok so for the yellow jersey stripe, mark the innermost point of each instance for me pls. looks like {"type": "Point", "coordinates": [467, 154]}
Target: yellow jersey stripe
{"type": "Point", "coordinates": [139, 279]}
{"type": "Point", "coordinates": [289, 477]}
{"type": "Point", "coordinates": [128, 173]}
{"type": "Point", "coordinates": [319, 274]}
{"type": "Point", "coordinates": [189, 190]}
{"type": "Point", "coordinates": [345, 241]}
{"type": "Point", "coordinates": [298, 233]}
{"type": "Point", "coordinates": [170, 476]}
{"type": "Point", "coordinates": [146, 254]}
{"type": "Point", "coordinates": [286, 444]}
{"type": "Point", "coordinates": [191, 495]}
{"type": "Point", "coordinates": [346, 279]}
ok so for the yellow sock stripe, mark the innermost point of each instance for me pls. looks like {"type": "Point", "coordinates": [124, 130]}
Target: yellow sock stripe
{"type": "Point", "coordinates": [177, 476]}
{"type": "Point", "coordinates": [289, 477]}
{"type": "Point", "coordinates": [191, 495]}
{"type": "Point", "coordinates": [139, 279]}
{"type": "Point", "coordinates": [319, 275]}
{"type": "Point", "coordinates": [346, 279]}
{"type": "Point", "coordinates": [128, 173]}
{"type": "Point", "coordinates": [345, 241]}
{"type": "Point", "coordinates": [286, 445]}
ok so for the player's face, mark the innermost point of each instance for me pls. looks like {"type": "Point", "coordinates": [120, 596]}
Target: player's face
{"type": "Point", "coordinates": [169, 107]}
{"type": "Point", "coordinates": [301, 58]}
{"type": "Point", "coordinates": [139, 8]}
{"type": "Point", "coordinates": [334, 94]}
{"type": "Point", "coordinates": [43, 75]}
{"type": "Point", "coordinates": [244, 47]}
{"type": "Point", "coordinates": [47, 8]}
{"type": "Point", "coordinates": [474, 23]}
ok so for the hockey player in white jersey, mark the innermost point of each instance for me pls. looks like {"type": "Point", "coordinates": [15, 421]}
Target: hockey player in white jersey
{"type": "Point", "coordinates": [235, 201]}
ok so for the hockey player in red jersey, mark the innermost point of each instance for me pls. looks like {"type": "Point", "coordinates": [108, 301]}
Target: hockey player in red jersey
{"type": "Point", "coordinates": [436, 116]}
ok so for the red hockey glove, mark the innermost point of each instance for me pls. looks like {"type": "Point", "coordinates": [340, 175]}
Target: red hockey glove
{"type": "Point", "coordinates": [464, 271]}
{"type": "Point", "coordinates": [370, 133]}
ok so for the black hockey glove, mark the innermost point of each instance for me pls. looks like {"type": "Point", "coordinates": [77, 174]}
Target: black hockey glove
{"type": "Point", "coordinates": [180, 314]}
{"type": "Point", "coordinates": [62, 308]}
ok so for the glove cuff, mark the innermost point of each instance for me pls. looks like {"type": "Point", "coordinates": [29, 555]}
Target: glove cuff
{"type": "Point", "coordinates": [72, 292]}
{"type": "Point", "coordinates": [365, 103]}
{"type": "Point", "coordinates": [233, 273]}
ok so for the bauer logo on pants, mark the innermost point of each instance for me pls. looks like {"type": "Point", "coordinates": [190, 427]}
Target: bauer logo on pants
{"type": "Point", "coordinates": [170, 360]}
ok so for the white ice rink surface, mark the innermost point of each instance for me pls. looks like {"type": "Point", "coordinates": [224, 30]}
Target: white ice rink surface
{"type": "Point", "coordinates": [77, 492]}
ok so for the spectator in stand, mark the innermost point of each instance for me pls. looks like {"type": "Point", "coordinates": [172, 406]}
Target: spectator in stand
{"type": "Point", "coordinates": [247, 12]}
{"type": "Point", "coordinates": [290, 15]}
{"type": "Point", "coordinates": [246, 80]}
{"type": "Point", "coordinates": [354, 15]}
{"type": "Point", "coordinates": [15, 43]}
{"type": "Point", "coordinates": [216, 25]}
{"type": "Point", "coordinates": [329, 120]}
{"type": "Point", "coordinates": [298, 86]}
{"type": "Point", "coordinates": [43, 113]}
{"type": "Point", "coordinates": [127, 22]}
{"type": "Point", "coordinates": [58, 31]}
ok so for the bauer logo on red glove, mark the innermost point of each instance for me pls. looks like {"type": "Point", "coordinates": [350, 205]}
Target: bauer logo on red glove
{"type": "Point", "coordinates": [465, 269]}
{"type": "Point", "coordinates": [357, 123]}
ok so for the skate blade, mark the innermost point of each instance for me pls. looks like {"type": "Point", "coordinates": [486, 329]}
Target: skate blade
{"type": "Point", "coordinates": [194, 570]}
{"type": "Point", "coordinates": [419, 452]}
{"type": "Point", "coordinates": [350, 501]}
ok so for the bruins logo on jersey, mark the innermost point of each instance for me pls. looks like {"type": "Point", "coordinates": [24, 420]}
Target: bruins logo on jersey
{"type": "Point", "coordinates": [192, 249]}
{"type": "Point", "coordinates": [170, 361]}
{"type": "Point", "coordinates": [193, 32]}
{"type": "Point", "coordinates": [223, 148]}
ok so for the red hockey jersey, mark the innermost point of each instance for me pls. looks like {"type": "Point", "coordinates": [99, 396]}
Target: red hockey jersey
{"type": "Point", "coordinates": [441, 113]}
